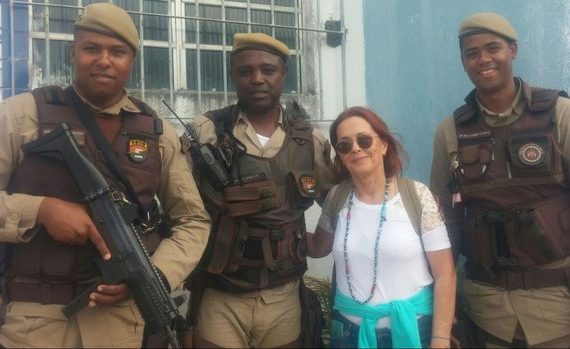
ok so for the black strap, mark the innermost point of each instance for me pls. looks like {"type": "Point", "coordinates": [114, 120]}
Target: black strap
{"type": "Point", "coordinates": [92, 127]}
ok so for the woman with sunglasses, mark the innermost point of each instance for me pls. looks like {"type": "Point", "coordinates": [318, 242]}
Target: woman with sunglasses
{"type": "Point", "coordinates": [392, 289]}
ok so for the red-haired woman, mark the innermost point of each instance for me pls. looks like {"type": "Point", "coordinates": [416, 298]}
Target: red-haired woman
{"type": "Point", "coordinates": [385, 294]}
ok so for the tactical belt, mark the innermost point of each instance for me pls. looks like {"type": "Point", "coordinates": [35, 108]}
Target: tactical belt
{"type": "Point", "coordinates": [513, 280]}
{"type": "Point", "coordinates": [43, 293]}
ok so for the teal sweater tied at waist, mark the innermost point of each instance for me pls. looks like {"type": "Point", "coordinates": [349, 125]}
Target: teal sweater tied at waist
{"type": "Point", "coordinates": [402, 313]}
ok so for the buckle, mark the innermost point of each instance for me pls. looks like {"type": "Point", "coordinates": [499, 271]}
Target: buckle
{"type": "Point", "coordinates": [275, 234]}
{"type": "Point", "coordinates": [277, 265]}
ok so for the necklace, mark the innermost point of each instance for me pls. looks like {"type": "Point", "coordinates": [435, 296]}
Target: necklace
{"type": "Point", "coordinates": [376, 243]}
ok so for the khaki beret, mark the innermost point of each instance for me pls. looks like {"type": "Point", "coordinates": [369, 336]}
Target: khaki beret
{"type": "Point", "coordinates": [487, 22]}
{"type": "Point", "coordinates": [109, 19]}
{"type": "Point", "coordinates": [259, 41]}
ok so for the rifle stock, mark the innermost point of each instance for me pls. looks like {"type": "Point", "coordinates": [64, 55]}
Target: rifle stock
{"type": "Point", "coordinates": [115, 219]}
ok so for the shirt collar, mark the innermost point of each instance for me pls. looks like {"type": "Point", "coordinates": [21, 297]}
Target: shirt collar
{"type": "Point", "coordinates": [243, 118]}
{"type": "Point", "coordinates": [125, 103]}
{"type": "Point", "coordinates": [517, 107]}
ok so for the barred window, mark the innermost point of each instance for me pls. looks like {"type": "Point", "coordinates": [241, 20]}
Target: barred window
{"type": "Point", "coordinates": [180, 38]}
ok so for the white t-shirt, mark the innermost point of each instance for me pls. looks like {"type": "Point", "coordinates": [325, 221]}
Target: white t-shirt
{"type": "Point", "coordinates": [402, 266]}
{"type": "Point", "coordinates": [262, 139]}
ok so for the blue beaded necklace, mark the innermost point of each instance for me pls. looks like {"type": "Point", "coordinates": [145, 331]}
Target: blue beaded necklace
{"type": "Point", "coordinates": [376, 243]}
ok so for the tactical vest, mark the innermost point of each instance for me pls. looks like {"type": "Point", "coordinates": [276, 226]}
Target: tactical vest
{"type": "Point", "coordinates": [512, 182]}
{"type": "Point", "coordinates": [258, 233]}
{"type": "Point", "coordinates": [44, 270]}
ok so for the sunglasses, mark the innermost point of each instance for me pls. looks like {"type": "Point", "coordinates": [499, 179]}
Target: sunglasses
{"type": "Point", "coordinates": [344, 145]}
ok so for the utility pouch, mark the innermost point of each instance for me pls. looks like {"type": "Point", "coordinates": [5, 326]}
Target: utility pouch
{"type": "Point", "coordinates": [226, 234]}
{"type": "Point", "coordinates": [474, 161]}
{"type": "Point", "coordinates": [291, 253]}
{"type": "Point", "coordinates": [251, 191]}
{"type": "Point", "coordinates": [479, 238]}
{"type": "Point", "coordinates": [544, 232]}
{"type": "Point", "coordinates": [250, 198]}
{"type": "Point", "coordinates": [530, 154]}
{"type": "Point", "coordinates": [246, 208]}
{"type": "Point", "coordinates": [43, 258]}
{"type": "Point", "coordinates": [303, 188]}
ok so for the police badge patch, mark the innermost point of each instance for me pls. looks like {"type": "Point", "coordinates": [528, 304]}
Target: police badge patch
{"type": "Point", "coordinates": [138, 150]}
{"type": "Point", "coordinates": [531, 154]}
{"type": "Point", "coordinates": [308, 184]}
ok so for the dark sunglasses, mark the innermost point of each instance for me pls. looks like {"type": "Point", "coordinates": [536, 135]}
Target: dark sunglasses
{"type": "Point", "coordinates": [344, 145]}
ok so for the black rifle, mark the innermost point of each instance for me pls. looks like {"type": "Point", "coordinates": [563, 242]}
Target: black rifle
{"type": "Point", "coordinates": [210, 160]}
{"type": "Point", "coordinates": [117, 221]}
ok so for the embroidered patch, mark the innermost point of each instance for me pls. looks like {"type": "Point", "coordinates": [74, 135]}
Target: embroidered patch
{"type": "Point", "coordinates": [531, 154]}
{"type": "Point", "coordinates": [308, 184]}
{"type": "Point", "coordinates": [138, 150]}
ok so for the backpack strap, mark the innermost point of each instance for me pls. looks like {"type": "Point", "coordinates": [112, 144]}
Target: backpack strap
{"type": "Point", "coordinates": [338, 199]}
{"type": "Point", "coordinates": [412, 203]}
{"type": "Point", "coordinates": [413, 206]}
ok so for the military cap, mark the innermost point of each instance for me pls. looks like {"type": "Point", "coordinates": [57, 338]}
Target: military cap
{"type": "Point", "coordinates": [487, 22]}
{"type": "Point", "coordinates": [259, 41]}
{"type": "Point", "coordinates": [106, 18]}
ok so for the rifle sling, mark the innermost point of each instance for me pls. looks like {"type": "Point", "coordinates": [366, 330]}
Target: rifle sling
{"type": "Point", "coordinates": [103, 145]}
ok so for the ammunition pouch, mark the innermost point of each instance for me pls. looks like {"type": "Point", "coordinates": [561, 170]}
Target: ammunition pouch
{"type": "Point", "coordinates": [258, 257]}
{"type": "Point", "coordinates": [250, 198]}
{"type": "Point", "coordinates": [543, 232]}
{"type": "Point", "coordinates": [517, 240]}
{"type": "Point", "coordinates": [474, 161]}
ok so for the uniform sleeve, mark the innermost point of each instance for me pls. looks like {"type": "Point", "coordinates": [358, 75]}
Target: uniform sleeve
{"type": "Point", "coordinates": [324, 170]}
{"type": "Point", "coordinates": [178, 255]}
{"type": "Point", "coordinates": [444, 154]}
{"type": "Point", "coordinates": [18, 125]}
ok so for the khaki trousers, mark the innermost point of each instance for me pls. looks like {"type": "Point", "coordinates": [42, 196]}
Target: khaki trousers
{"type": "Point", "coordinates": [45, 326]}
{"type": "Point", "coordinates": [487, 340]}
{"type": "Point", "coordinates": [262, 319]}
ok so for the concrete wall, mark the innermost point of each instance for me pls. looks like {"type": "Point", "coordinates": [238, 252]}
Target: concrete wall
{"type": "Point", "coordinates": [414, 77]}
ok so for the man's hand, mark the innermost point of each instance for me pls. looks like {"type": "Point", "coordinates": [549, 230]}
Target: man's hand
{"type": "Point", "coordinates": [109, 294]}
{"type": "Point", "coordinates": [70, 223]}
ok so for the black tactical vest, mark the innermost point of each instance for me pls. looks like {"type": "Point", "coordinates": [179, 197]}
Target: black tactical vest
{"type": "Point", "coordinates": [512, 182]}
{"type": "Point", "coordinates": [258, 232]}
{"type": "Point", "coordinates": [43, 260]}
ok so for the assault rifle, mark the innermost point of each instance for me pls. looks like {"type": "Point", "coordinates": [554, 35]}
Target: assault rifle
{"type": "Point", "coordinates": [210, 160]}
{"type": "Point", "coordinates": [116, 220]}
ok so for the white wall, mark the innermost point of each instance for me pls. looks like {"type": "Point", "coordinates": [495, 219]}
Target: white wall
{"type": "Point", "coordinates": [333, 89]}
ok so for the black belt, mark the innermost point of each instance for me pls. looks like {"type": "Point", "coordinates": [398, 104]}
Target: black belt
{"type": "Point", "coordinates": [527, 279]}
{"type": "Point", "coordinates": [44, 293]}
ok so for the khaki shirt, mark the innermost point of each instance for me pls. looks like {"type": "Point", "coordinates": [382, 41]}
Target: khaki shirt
{"type": "Point", "coordinates": [175, 256]}
{"type": "Point", "coordinates": [544, 314]}
{"type": "Point", "coordinates": [245, 133]}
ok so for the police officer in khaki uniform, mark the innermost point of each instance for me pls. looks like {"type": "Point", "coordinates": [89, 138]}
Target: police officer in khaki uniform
{"type": "Point", "coordinates": [43, 220]}
{"type": "Point", "coordinates": [250, 275]}
{"type": "Point", "coordinates": [499, 171]}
